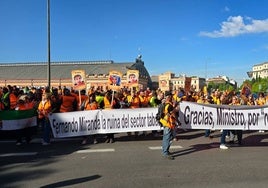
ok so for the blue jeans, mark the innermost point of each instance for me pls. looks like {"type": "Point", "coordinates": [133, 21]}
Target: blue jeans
{"type": "Point", "coordinates": [207, 132]}
{"type": "Point", "coordinates": [46, 129]}
{"type": "Point", "coordinates": [167, 137]}
{"type": "Point", "coordinates": [223, 135]}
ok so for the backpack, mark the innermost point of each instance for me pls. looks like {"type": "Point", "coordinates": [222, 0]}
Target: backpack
{"type": "Point", "coordinates": [160, 112]}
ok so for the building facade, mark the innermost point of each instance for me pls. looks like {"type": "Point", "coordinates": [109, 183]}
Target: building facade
{"type": "Point", "coordinates": [259, 71]}
{"type": "Point", "coordinates": [97, 73]}
{"type": "Point", "coordinates": [222, 80]}
{"type": "Point", "coordinates": [168, 81]}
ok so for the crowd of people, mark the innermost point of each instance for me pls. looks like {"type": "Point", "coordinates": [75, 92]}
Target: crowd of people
{"type": "Point", "coordinates": [60, 100]}
{"type": "Point", "coordinates": [232, 98]}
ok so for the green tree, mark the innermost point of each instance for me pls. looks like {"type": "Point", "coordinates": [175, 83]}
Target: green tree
{"type": "Point", "coordinates": [257, 85]}
{"type": "Point", "coordinates": [220, 86]}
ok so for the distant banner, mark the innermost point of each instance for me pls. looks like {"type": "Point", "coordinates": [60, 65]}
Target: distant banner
{"type": "Point", "coordinates": [241, 117]}
{"type": "Point", "coordinates": [133, 78]}
{"type": "Point", "coordinates": [114, 80]}
{"type": "Point", "coordinates": [17, 119]}
{"type": "Point", "coordinates": [78, 78]}
{"type": "Point", "coordinates": [163, 81]}
{"type": "Point", "coordinates": [90, 122]}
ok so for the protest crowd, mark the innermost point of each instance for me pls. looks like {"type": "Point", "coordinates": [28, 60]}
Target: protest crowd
{"type": "Point", "coordinates": [60, 100]}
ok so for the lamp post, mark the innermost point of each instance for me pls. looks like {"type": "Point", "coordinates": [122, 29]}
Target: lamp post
{"type": "Point", "coordinates": [48, 43]}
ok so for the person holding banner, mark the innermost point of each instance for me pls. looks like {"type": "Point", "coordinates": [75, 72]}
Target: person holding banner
{"type": "Point", "coordinates": [44, 109]}
{"type": "Point", "coordinates": [134, 102]}
{"type": "Point", "coordinates": [108, 105]}
{"type": "Point", "coordinates": [154, 102]}
{"type": "Point", "coordinates": [261, 100]}
{"type": "Point", "coordinates": [90, 104]}
{"type": "Point", "coordinates": [81, 99]}
{"type": "Point", "coordinates": [24, 103]}
{"type": "Point", "coordinates": [207, 99]}
{"type": "Point", "coordinates": [111, 101]}
{"type": "Point", "coordinates": [223, 99]}
{"type": "Point", "coordinates": [238, 133]}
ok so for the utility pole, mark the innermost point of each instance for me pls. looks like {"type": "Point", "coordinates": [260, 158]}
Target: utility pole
{"type": "Point", "coordinates": [48, 44]}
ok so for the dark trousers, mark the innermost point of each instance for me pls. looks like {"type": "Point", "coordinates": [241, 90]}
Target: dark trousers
{"type": "Point", "coordinates": [26, 133]}
{"type": "Point", "coordinates": [239, 134]}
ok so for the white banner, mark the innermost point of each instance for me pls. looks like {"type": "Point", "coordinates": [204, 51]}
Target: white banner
{"type": "Point", "coordinates": [241, 117]}
{"type": "Point", "coordinates": [70, 124]}
{"type": "Point", "coordinates": [191, 116]}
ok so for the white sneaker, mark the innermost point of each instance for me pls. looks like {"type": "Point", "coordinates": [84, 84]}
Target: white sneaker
{"type": "Point", "coordinates": [222, 146]}
{"type": "Point", "coordinates": [84, 142]}
{"type": "Point", "coordinates": [95, 141]}
{"type": "Point", "coordinates": [45, 143]}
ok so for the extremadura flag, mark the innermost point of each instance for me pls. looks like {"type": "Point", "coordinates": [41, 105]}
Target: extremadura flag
{"type": "Point", "coordinates": [17, 119]}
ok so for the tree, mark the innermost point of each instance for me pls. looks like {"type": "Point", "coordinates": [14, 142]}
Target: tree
{"type": "Point", "coordinates": [220, 86]}
{"type": "Point", "coordinates": [258, 84]}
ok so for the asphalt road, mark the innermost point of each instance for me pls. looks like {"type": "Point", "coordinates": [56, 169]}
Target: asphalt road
{"type": "Point", "coordinates": [136, 162]}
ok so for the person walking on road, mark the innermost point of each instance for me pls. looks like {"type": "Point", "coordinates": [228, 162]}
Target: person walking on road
{"type": "Point", "coordinates": [169, 122]}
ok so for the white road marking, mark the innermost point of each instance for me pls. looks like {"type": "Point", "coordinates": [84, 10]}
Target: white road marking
{"type": "Point", "coordinates": [39, 140]}
{"type": "Point", "coordinates": [95, 150]}
{"type": "Point", "coordinates": [7, 141]}
{"type": "Point", "coordinates": [160, 147]}
{"type": "Point", "coordinates": [18, 154]}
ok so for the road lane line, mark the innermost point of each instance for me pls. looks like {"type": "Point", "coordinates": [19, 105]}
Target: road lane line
{"type": "Point", "coordinates": [39, 140]}
{"type": "Point", "coordinates": [18, 154]}
{"type": "Point", "coordinates": [95, 150]}
{"type": "Point", "coordinates": [160, 147]}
